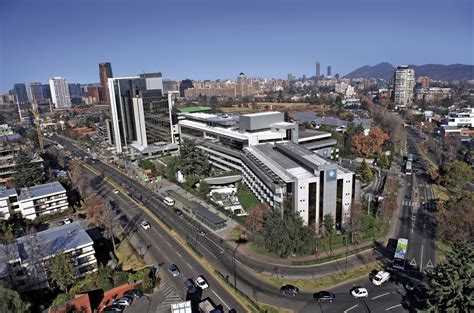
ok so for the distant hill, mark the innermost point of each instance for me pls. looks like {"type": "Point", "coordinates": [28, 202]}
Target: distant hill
{"type": "Point", "coordinates": [434, 71]}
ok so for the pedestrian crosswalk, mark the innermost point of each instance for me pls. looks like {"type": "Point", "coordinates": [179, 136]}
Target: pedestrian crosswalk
{"type": "Point", "coordinates": [170, 295]}
{"type": "Point", "coordinates": [429, 205]}
{"type": "Point", "coordinates": [406, 203]}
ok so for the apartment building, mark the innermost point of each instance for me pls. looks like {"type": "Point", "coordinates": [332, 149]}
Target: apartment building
{"type": "Point", "coordinates": [404, 80]}
{"type": "Point", "coordinates": [33, 201]}
{"type": "Point", "coordinates": [462, 118]}
{"type": "Point", "coordinates": [8, 152]}
{"type": "Point", "coordinates": [24, 263]}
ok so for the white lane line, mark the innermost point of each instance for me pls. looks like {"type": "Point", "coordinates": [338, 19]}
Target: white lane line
{"type": "Point", "coordinates": [393, 307]}
{"type": "Point", "coordinates": [220, 299]}
{"type": "Point", "coordinates": [214, 243]}
{"type": "Point", "coordinates": [355, 306]}
{"type": "Point", "coordinates": [208, 250]}
{"type": "Point", "coordinates": [179, 254]}
{"type": "Point", "coordinates": [421, 262]}
{"type": "Point", "coordinates": [189, 265]}
{"type": "Point", "coordinates": [384, 294]}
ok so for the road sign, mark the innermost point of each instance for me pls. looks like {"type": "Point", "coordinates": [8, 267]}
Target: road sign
{"type": "Point", "coordinates": [429, 264]}
{"type": "Point", "coordinates": [413, 262]}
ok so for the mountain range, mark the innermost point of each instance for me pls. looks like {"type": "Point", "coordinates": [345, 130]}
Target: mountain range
{"type": "Point", "coordinates": [385, 71]}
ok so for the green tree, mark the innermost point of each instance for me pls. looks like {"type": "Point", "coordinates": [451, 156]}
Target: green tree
{"type": "Point", "coordinates": [204, 188]}
{"type": "Point", "coordinates": [27, 173]}
{"type": "Point", "coordinates": [147, 165]}
{"type": "Point", "coordinates": [449, 285]}
{"type": "Point", "coordinates": [12, 302]}
{"type": "Point", "coordinates": [328, 224]}
{"type": "Point", "coordinates": [365, 172]}
{"type": "Point", "coordinates": [455, 175]}
{"type": "Point", "coordinates": [193, 160]}
{"type": "Point", "coordinates": [62, 298]}
{"type": "Point", "coordinates": [383, 161]}
{"type": "Point", "coordinates": [62, 270]}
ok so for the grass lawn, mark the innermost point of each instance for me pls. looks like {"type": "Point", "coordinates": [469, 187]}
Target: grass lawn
{"type": "Point", "coordinates": [247, 198]}
{"type": "Point", "coordinates": [127, 257]}
{"type": "Point", "coordinates": [272, 309]}
{"type": "Point", "coordinates": [321, 283]}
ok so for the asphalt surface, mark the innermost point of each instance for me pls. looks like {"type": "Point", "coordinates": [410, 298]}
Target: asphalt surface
{"type": "Point", "coordinates": [163, 248]}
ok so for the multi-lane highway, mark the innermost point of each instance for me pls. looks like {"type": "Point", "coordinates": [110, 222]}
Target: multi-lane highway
{"type": "Point", "coordinates": [220, 257]}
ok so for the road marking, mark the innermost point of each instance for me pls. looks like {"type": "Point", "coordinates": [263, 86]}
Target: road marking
{"type": "Point", "coordinates": [384, 294]}
{"type": "Point", "coordinates": [189, 265]}
{"type": "Point", "coordinates": [209, 251]}
{"type": "Point", "coordinates": [179, 254]}
{"type": "Point", "coordinates": [221, 299]}
{"type": "Point", "coordinates": [429, 264]}
{"type": "Point", "coordinates": [393, 307]}
{"type": "Point", "coordinates": [413, 262]}
{"type": "Point", "coordinates": [421, 261]}
{"type": "Point", "coordinates": [214, 243]}
{"type": "Point", "coordinates": [351, 308]}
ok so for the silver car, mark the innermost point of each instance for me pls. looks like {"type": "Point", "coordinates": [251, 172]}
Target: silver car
{"type": "Point", "coordinates": [124, 301]}
{"type": "Point", "coordinates": [174, 270]}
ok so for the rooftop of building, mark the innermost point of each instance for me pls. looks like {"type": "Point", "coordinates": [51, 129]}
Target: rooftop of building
{"type": "Point", "coordinates": [193, 109]}
{"type": "Point", "coordinates": [39, 191]}
{"type": "Point", "coordinates": [309, 133]}
{"type": "Point", "coordinates": [50, 242]}
{"type": "Point", "coordinates": [262, 113]}
{"type": "Point", "coordinates": [6, 192]}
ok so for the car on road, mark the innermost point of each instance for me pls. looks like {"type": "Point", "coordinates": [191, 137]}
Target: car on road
{"type": "Point", "coordinates": [133, 293]}
{"type": "Point", "coordinates": [324, 296]}
{"type": "Point", "coordinates": [188, 283]}
{"type": "Point", "coordinates": [289, 289]}
{"type": "Point", "coordinates": [201, 232]}
{"type": "Point", "coordinates": [124, 301]}
{"type": "Point", "coordinates": [380, 278]}
{"type": "Point", "coordinates": [168, 201]}
{"type": "Point", "coordinates": [201, 282]}
{"type": "Point", "coordinates": [145, 225]}
{"type": "Point", "coordinates": [178, 212]}
{"type": "Point", "coordinates": [113, 308]}
{"type": "Point", "coordinates": [174, 270]}
{"type": "Point", "coordinates": [360, 292]}
{"type": "Point", "coordinates": [412, 284]}
{"type": "Point", "coordinates": [115, 191]}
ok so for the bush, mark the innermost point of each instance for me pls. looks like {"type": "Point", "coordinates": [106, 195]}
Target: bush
{"type": "Point", "coordinates": [51, 216]}
{"type": "Point", "coordinates": [62, 298]}
{"type": "Point", "coordinates": [120, 278]}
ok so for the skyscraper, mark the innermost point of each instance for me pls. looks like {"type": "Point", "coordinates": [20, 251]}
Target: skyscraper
{"type": "Point", "coordinates": [329, 71]}
{"type": "Point", "coordinates": [19, 93]}
{"type": "Point", "coordinates": [185, 84]}
{"type": "Point", "coordinates": [318, 69]}
{"type": "Point", "coordinates": [60, 92]}
{"type": "Point", "coordinates": [404, 80]}
{"type": "Point", "coordinates": [105, 72]}
{"type": "Point", "coordinates": [75, 90]}
{"type": "Point", "coordinates": [35, 91]}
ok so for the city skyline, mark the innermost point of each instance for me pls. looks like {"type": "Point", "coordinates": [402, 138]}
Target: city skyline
{"type": "Point", "coordinates": [258, 39]}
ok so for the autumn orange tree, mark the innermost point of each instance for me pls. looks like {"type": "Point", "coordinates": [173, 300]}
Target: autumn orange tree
{"type": "Point", "coordinates": [372, 143]}
{"type": "Point", "coordinates": [256, 218]}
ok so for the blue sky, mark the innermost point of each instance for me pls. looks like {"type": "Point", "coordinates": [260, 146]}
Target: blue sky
{"type": "Point", "coordinates": [206, 39]}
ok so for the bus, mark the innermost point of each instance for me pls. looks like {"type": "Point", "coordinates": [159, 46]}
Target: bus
{"type": "Point", "coordinates": [410, 157]}
{"type": "Point", "coordinates": [400, 254]}
{"type": "Point", "coordinates": [408, 168]}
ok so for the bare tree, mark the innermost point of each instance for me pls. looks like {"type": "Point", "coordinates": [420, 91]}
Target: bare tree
{"type": "Point", "coordinates": [110, 223]}
{"type": "Point", "coordinates": [95, 209]}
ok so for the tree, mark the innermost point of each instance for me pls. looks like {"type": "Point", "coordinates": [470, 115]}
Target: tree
{"type": "Point", "coordinates": [12, 301]}
{"type": "Point", "coordinates": [110, 223]}
{"type": "Point", "coordinates": [354, 222]}
{"type": "Point", "coordinates": [62, 270]}
{"type": "Point", "coordinates": [27, 173]}
{"type": "Point", "coordinates": [193, 160]}
{"type": "Point", "coordinates": [455, 219]}
{"type": "Point", "coordinates": [256, 218]}
{"type": "Point", "coordinates": [372, 143]}
{"type": "Point", "coordinates": [365, 172]}
{"type": "Point", "coordinates": [383, 161]}
{"type": "Point", "coordinates": [328, 224]}
{"type": "Point", "coordinates": [449, 285]}
{"type": "Point", "coordinates": [455, 175]}
{"type": "Point", "coordinates": [147, 165]}
{"type": "Point", "coordinates": [95, 209]}
{"type": "Point", "coordinates": [204, 188]}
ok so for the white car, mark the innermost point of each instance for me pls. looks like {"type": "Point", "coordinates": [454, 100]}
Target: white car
{"type": "Point", "coordinates": [124, 301]}
{"type": "Point", "coordinates": [145, 225]}
{"type": "Point", "coordinates": [201, 282]}
{"type": "Point", "coordinates": [380, 278]}
{"type": "Point", "coordinates": [360, 293]}
{"type": "Point", "coordinates": [115, 191]}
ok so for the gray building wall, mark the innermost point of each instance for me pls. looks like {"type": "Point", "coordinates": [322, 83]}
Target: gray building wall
{"type": "Point", "coordinates": [256, 122]}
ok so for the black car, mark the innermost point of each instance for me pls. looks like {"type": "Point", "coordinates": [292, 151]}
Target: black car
{"type": "Point", "coordinates": [133, 293]}
{"type": "Point", "coordinates": [178, 212]}
{"type": "Point", "coordinates": [188, 283]}
{"type": "Point", "coordinates": [289, 289]}
{"type": "Point", "coordinates": [113, 308]}
{"type": "Point", "coordinates": [324, 296]}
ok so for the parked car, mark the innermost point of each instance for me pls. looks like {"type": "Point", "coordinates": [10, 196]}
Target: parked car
{"type": "Point", "coordinates": [360, 292]}
{"type": "Point", "coordinates": [133, 293]}
{"type": "Point", "coordinates": [324, 296]}
{"type": "Point", "coordinates": [201, 282]}
{"type": "Point", "coordinates": [124, 301]}
{"type": "Point", "coordinates": [178, 212]}
{"type": "Point", "coordinates": [289, 289]}
{"type": "Point", "coordinates": [115, 191]}
{"type": "Point", "coordinates": [174, 270]}
{"type": "Point", "coordinates": [67, 221]}
{"type": "Point", "coordinates": [145, 225]}
{"type": "Point", "coordinates": [188, 283]}
{"type": "Point", "coordinates": [412, 284]}
{"type": "Point", "coordinates": [380, 278]}
{"type": "Point", "coordinates": [113, 308]}
{"type": "Point", "coordinates": [168, 201]}
{"type": "Point", "coordinates": [201, 232]}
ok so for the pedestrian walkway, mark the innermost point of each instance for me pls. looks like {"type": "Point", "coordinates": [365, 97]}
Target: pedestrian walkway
{"type": "Point", "coordinates": [158, 302]}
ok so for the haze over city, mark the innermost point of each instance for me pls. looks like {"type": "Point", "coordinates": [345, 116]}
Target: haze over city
{"type": "Point", "coordinates": [219, 39]}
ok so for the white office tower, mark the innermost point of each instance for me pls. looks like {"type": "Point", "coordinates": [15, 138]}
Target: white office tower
{"type": "Point", "coordinates": [60, 92]}
{"type": "Point", "coordinates": [404, 85]}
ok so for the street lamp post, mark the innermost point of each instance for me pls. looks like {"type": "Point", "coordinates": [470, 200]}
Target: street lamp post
{"type": "Point", "coordinates": [235, 265]}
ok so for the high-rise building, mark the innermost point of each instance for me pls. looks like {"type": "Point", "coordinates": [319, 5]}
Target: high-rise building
{"type": "Point", "coordinates": [60, 92]}
{"type": "Point", "coordinates": [35, 91]}
{"type": "Point", "coordinates": [128, 122]}
{"type": "Point", "coordinates": [185, 84]}
{"type": "Point", "coordinates": [46, 91]}
{"type": "Point", "coordinates": [328, 71]}
{"type": "Point", "coordinates": [20, 94]}
{"type": "Point", "coordinates": [424, 81]}
{"type": "Point", "coordinates": [318, 69]}
{"type": "Point", "coordinates": [75, 90]}
{"type": "Point", "coordinates": [94, 91]}
{"type": "Point", "coordinates": [105, 72]}
{"type": "Point", "coordinates": [404, 81]}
